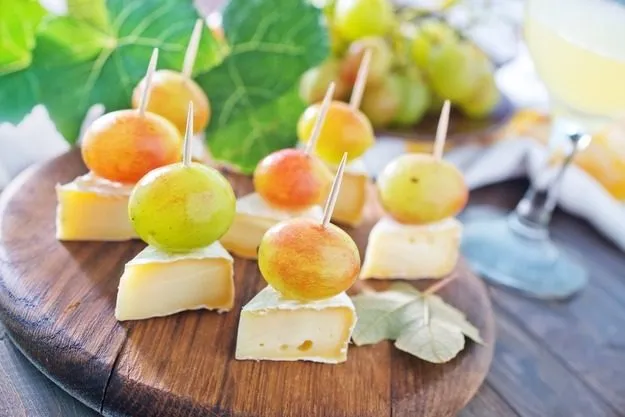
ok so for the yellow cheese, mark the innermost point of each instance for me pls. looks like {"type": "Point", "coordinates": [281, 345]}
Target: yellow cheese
{"type": "Point", "coordinates": [403, 251]}
{"type": "Point", "coordinates": [253, 218]}
{"type": "Point", "coordinates": [157, 284]}
{"type": "Point", "coordinates": [92, 208]}
{"type": "Point", "coordinates": [277, 329]}
{"type": "Point", "coordinates": [350, 204]}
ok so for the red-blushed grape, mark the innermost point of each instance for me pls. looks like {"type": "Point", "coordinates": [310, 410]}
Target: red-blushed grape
{"type": "Point", "coordinates": [305, 261]}
{"type": "Point", "coordinates": [123, 146]}
{"type": "Point", "coordinates": [170, 95]}
{"type": "Point", "coordinates": [344, 130]}
{"type": "Point", "coordinates": [291, 179]}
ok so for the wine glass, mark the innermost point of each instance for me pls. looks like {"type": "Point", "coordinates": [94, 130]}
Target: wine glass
{"type": "Point", "coordinates": [579, 53]}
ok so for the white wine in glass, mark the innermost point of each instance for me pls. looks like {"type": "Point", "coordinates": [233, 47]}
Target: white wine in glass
{"type": "Point", "coordinates": [578, 48]}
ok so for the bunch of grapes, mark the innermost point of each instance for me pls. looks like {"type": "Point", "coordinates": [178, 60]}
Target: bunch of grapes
{"type": "Point", "coordinates": [416, 64]}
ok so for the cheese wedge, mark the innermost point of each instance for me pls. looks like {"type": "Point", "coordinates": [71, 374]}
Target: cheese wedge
{"type": "Point", "coordinates": [350, 205]}
{"type": "Point", "coordinates": [157, 284]}
{"type": "Point", "coordinates": [92, 208]}
{"type": "Point", "coordinates": [277, 329]}
{"type": "Point", "coordinates": [403, 251]}
{"type": "Point", "coordinates": [253, 218]}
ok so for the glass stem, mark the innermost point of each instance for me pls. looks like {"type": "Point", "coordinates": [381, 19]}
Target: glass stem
{"type": "Point", "coordinates": [533, 213]}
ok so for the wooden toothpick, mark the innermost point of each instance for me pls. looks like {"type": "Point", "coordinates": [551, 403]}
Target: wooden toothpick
{"type": "Point", "coordinates": [334, 193]}
{"type": "Point", "coordinates": [145, 97]}
{"type": "Point", "coordinates": [361, 80]}
{"type": "Point", "coordinates": [323, 111]}
{"type": "Point", "coordinates": [192, 48]}
{"type": "Point", "coordinates": [441, 131]}
{"type": "Point", "coordinates": [188, 137]}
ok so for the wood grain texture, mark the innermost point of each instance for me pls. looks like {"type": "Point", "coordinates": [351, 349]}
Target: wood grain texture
{"type": "Point", "coordinates": [57, 302]}
{"type": "Point", "coordinates": [563, 358]}
{"type": "Point", "coordinates": [27, 393]}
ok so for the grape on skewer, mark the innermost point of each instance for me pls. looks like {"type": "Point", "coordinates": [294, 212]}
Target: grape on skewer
{"type": "Point", "coordinates": [125, 145]}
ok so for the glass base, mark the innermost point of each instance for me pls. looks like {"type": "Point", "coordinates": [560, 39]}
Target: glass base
{"type": "Point", "coordinates": [507, 253]}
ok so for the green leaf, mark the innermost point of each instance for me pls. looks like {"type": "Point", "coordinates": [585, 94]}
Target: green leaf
{"type": "Point", "coordinates": [253, 92]}
{"type": "Point", "coordinates": [18, 24]}
{"type": "Point", "coordinates": [91, 11]}
{"type": "Point", "coordinates": [77, 65]}
{"type": "Point", "coordinates": [424, 326]}
{"type": "Point", "coordinates": [19, 93]}
{"type": "Point", "coordinates": [435, 341]}
{"type": "Point", "coordinates": [379, 316]}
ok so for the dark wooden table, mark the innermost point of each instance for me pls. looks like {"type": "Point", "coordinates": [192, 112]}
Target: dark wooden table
{"type": "Point", "coordinates": [552, 359]}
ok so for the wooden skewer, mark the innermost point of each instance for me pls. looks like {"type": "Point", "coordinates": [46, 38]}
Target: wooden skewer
{"type": "Point", "coordinates": [188, 137]}
{"type": "Point", "coordinates": [192, 48]}
{"type": "Point", "coordinates": [334, 193]}
{"type": "Point", "coordinates": [438, 286]}
{"type": "Point", "coordinates": [441, 131]}
{"type": "Point", "coordinates": [145, 97]}
{"type": "Point", "coordinates": [361, 80]}
{"type": "Point", "coordinates": [323, 111]}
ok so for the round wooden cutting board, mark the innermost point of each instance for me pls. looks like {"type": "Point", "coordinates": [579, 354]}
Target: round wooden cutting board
{"type": "Point", "coordinates": [57, 301]}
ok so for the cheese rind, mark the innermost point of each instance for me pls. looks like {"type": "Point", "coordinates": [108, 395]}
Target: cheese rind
{"type": "Point", "coordinates": [157, 284]}
{"type": "Point", "coordinates": [253, 218]}
{"type": "Point", "coordinates": [352, 199]}
{"type": "Point", "coordinates": [92, 208]}
{"type": "Point", "coordinates": [278, 329]}
{"type": "Point", "coordinates": [397, 250]}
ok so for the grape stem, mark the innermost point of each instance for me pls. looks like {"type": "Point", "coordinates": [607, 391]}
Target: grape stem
{"type": "Point", "coordinates": [192, 48]}
{"type": "Point", "coordinates": [334, 192]}
{"type": "Point", "coordinates": [438, 286]}
{"type": "Point", "coordinates": [361, 80]}
{"type": "Point", "coordinates": [188, 137]}
{"type": "Point", "coordinates": [321, 118]}
{"type": "Point", "coordinates": [441, 131]}
{"type": "Point", "coordinates": [145, 97]}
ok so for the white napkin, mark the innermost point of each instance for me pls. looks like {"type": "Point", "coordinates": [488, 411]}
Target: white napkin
{"type": "Point", "coordinates": [33, 140]}
{"type": "Point", "coordinates": [580, 194]}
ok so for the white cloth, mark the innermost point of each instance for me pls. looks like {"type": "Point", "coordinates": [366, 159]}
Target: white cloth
{"type": "Point", "coordinates": [580, 194]}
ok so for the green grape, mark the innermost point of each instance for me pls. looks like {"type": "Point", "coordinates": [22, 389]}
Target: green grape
{"type": "Point", "coordinates": [381, 102]}
{"type": "Point", "coordinates": [415, 98]}
{"type": "Point", "coordinates": [379, 66]}
{"type": "Point", "coordinates": [484, 101]}
{"type": "Point", "coordinates": [179, 208]}
{"type": "Point", "coordinates": [418, 188]}
{"type": "Point", "coordinates": [436, 104]}
{"type": "Point", "coordinates": [452, 70]}
{"type": "Point", "coordinates": [356, 19]}
{"type": "Point", "coordinates": [338, 44]}
{"type": "Point", "coordinates": [314, 82]}
{"type": "Point", "coordinates": [431, 33]}
{"type": "Point", "coordinates": [485, 96]}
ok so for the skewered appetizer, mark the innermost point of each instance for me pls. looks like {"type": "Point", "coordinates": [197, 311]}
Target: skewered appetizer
{"type": "Point", "coordinates": [308, 264]}
{"type": "Point", "coordinates": [180, 210]}
{"type": "Point", "coordinates": [419, 238]}
{"type": "Point", "coordinates": [289, 183]}
{"type": "Point", "coordinates": [171, 91]}
{"type": "Point", "coordinates": [346, 129]}
{"type": "Point", "coordinates": [119, 148]}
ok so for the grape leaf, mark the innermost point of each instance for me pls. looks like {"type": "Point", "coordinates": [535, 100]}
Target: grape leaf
{"type": "Point", "coordinates": [378, 316]}
{"type": "Point", "coordinates": [18, 24]}
{"type": "Point", "coordinates": [76, 64]}
{"type": "Point", "coordinates": [253, 92]}
{"type": "Point", "coordinates": [424, 326]}
{"type": "Point", "coordinates": [436, 341]}
{"type": "Point", "coordinates": [93, 12]}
